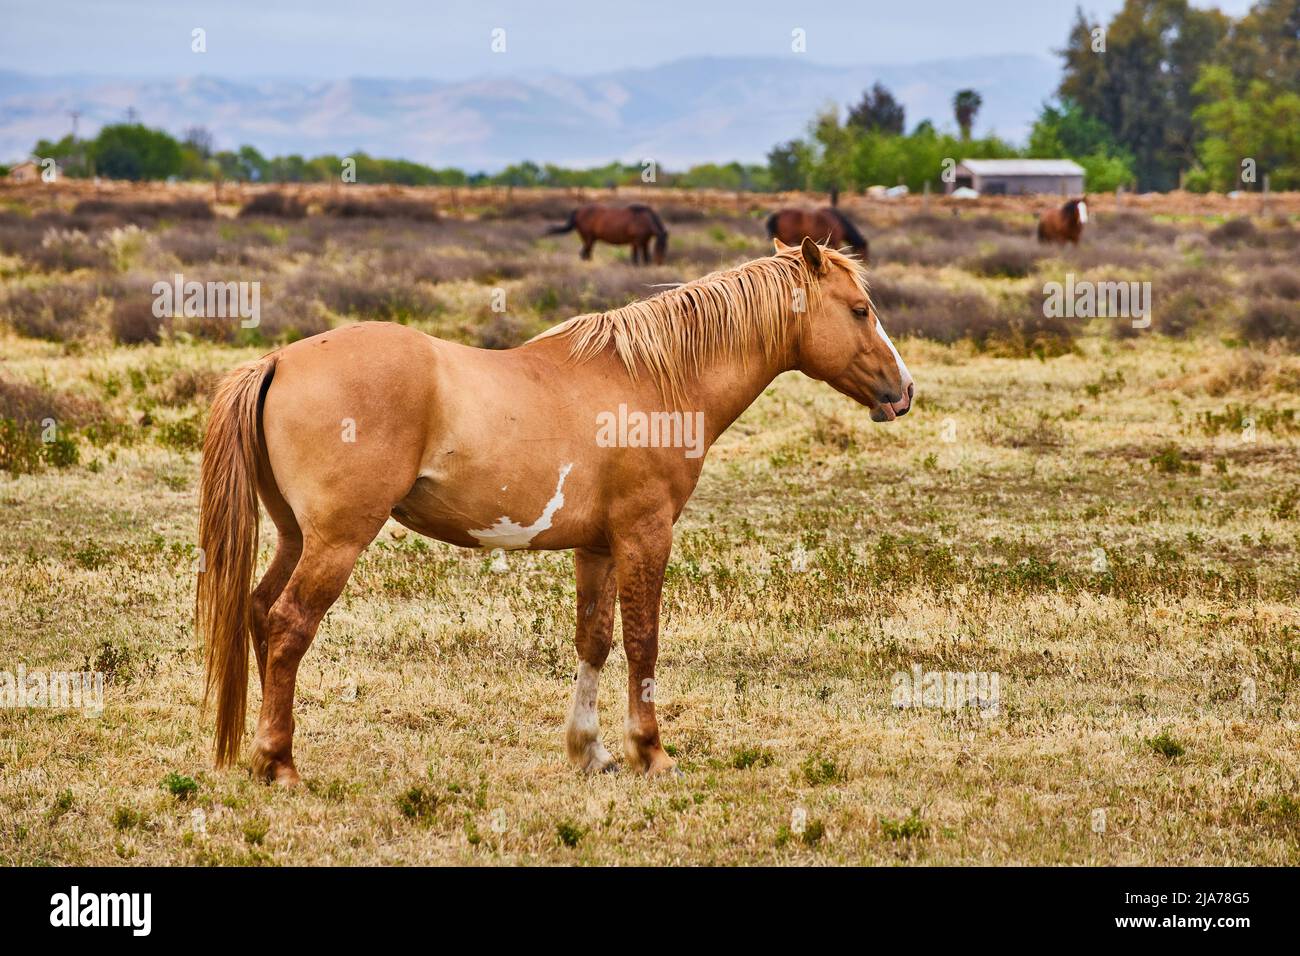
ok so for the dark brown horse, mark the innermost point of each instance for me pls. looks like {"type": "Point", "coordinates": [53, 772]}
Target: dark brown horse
{"type": "Point", "coordinates": [827, 225]}
{"type": "Point", "coordinates": [1064, 224]}
{"type": "Point", "coordinates": [633, 225]}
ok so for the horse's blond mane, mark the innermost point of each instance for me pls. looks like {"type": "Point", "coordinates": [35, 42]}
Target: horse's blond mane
{"type": "Point", "coordinates": [725, 315]}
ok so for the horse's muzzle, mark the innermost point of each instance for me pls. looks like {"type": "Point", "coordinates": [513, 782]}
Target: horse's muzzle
{"type": "Point", "coordinates": [888, 411]}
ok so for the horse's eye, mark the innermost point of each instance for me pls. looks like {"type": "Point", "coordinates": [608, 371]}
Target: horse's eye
{"type": "Point", "coordinates": [860, 311]}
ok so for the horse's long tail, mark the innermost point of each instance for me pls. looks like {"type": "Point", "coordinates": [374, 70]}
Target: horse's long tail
{"type": "Point", "coordinates": [228, 521]}
{"type": "Point", "coordinates": [661, 233]}
{"type": "Point", "coordinates": [566, 227]}
{"type": "Point", "coordinates": [852, 236]}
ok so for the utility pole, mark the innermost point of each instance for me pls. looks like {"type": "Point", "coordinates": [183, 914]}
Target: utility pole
{"type": "Point", "coordinates": [76, 144]}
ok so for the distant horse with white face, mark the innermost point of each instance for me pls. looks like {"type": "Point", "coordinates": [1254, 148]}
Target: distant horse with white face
{"type": "Point", "coordinates": [501, 449]}
{"type": "Point", "coordinates": [1064, 224]}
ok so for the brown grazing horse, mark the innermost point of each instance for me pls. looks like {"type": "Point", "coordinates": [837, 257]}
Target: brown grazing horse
{"type": "Point", "coordinates": [633, 225]}
{"type": "Point", "coordinates": [505, 449]}
{"type": "Point", "coordinates": [827, 225]}
{"type": "Point", "coordinates": [1064, 224]}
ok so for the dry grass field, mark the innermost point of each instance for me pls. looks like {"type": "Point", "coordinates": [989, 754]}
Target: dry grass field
{"type": "Point", "coordinates": [1105, 518]}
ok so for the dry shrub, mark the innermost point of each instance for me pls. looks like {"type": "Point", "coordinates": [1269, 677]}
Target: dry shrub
{"type": "Point", "coordinates": [390, 297]}
{"type": "Point", "coordinates": [420, 263]}
{"type": "Point", "coordinates": [577, 289]}
{"type": "Point", "coordinates": [1105, 250]}
{"type": "Point", "coordinates": [1244, 370]}
{"type": "Point", "coordinates": [1280, 282]}
{"type": "Point", "coordinates": [391, 208]}
{"type": "Point", "coordinates": [32, 404]}
{"type": "Point", "coordinates": [1132, 228]}
{"type": "Point", "coordinates": [1271, 318]}
{"type": "Point", "coordinates": [914, 307]}
{"type": "Point", "coordinates": [1186, 300]}
{"type": "Point", "coordinates": [58, 311]}
{"type": "Point", "coordinates": [545, 207]}
{"type": "Point", "coordinates": [957, 226]}
{"type": "Point", "coordinates": [187, 385]}
{"type": "Point", "coordinates": [276, 204]}
{"type": "Point", "coordinates": [132, 321]}
{"type": "Point", "coordinates": [201, 243]}
{"type": "Point", "coordinates": [1010, 258]}
{"type": "Point", "coordinates": [1235, 232]}
{"type": "Point", "coordinates": [144, 211]}
{"type": "Point", "coordinates": [65, 250]}
{"type": "Point", "coordinates": [501, 331]}
{"type": "Point", "coordinates": [911, 307]}
{"type": "Point", "coordinates": [916, 250]}
{"type": "Point", "coordinates": [680, 213]}
{"type": "Point", "coordinates": [288, 317]}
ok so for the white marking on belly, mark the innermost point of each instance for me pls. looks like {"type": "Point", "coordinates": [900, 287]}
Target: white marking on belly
{"type": "Point", "coordinates": [510, 535]}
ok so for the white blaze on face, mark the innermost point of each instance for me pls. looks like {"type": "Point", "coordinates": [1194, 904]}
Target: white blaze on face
{"type": "Point", "coordinates": [510, 535]}
{"type": "Point", "coordinates": [1083, 211]}
{"type": "Point", "coordinates": [904, 375]}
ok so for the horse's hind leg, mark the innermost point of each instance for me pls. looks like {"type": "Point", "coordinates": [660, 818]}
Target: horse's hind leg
{"type": "Point", "coordinates": [316, 582]}
{"type": "Point", "coordinates": [586, 247]}
{"type": "Point", "coordinates": [287, 551]}
{"type": "Point", "coordinates": [636, 252]}
{"type": "Point", "coordinates": [288, 548]}
{"type": "Point", "coordinates": [596, 592]}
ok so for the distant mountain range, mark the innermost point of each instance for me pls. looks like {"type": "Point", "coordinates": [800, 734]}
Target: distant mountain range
{"type": "Point", "coordinates": [689, 111]}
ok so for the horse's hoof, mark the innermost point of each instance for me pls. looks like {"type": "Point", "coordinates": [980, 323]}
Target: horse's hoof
{"type": "Point", "coordinates": [663, 767]}
{"type": "Point", "coordinates": [594, 759]}
{"type": "Point", "coordinates": [287, 777]}
{"type": "Point", "coordinates": [269, 769]}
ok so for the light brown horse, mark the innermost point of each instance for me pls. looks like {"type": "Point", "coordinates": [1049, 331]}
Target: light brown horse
{"type": "Point", "coordinates": [633, 225]}
{"type": "Point", "coordinates": [505, 449]}
{"type": "Point", "coordinates": [1064, 224]}
{"type": "Point", "coordinates": [827, 225]}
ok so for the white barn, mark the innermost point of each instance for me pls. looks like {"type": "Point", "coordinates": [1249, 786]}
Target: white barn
{"type": "Point", "coordinates": [1018, 177]}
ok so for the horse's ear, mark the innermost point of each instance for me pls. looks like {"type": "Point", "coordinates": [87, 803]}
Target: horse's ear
{"type": "Point", "coordinates": [812, 254]}
{"type": "Point", "coordinates": [779, 245]}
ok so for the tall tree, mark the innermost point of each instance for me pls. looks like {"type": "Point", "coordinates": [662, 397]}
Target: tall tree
{"type": "Point", "coordinates": [877, 111]}
{"type": "Point", "coordinates": [1138, 79]}
{"type": "Point", "coordinates": [965, 105]}
{"type": "Point", "coordinates": [787, 164]}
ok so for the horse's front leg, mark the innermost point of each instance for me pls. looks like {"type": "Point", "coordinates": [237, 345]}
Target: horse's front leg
{"type": "Point", "coordinates": [597, 590]}
{"type": "Point", "coordinates": [640, 558]}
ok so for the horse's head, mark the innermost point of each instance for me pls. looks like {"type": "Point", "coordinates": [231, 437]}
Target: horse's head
{"type": "Point", "coordinates": [1078, 209]}
{"type": "Point", "coordinates": [842, 342]}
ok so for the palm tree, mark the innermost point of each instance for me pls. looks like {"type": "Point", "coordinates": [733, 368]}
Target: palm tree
{"type": "Point", "coordinates": [966, 104]}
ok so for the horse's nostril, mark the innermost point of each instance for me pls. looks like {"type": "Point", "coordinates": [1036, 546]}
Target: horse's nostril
{"type": "Point", "coordinates": [911, 390]}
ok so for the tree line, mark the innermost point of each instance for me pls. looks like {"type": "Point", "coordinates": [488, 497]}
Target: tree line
{"type": "Point", "coordinates": [133, 151]}
{"type": "Point", "coordinates": [1165, 94]}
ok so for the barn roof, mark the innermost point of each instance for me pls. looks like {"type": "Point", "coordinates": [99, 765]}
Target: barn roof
{"type": "Point", "coordinates": [1023, 167]}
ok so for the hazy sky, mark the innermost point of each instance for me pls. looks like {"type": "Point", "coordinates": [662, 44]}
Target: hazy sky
{"type": "Point", "coordinates": [451, 39]}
